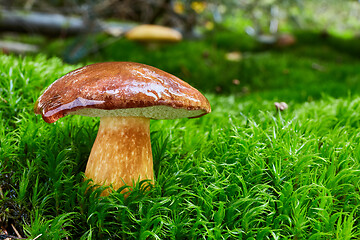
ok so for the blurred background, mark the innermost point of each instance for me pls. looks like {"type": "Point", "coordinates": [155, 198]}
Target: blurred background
{"type": "Point", "coordinates": [230, 41]}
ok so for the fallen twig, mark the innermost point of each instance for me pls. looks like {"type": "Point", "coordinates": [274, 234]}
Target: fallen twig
{"type": "Point", "coordinates": [17, 233]}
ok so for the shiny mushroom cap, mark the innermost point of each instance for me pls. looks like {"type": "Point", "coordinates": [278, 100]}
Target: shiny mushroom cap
{"type": "Point", "coordinates": [153, 33]}
{"type": "Point", "coordinates": [121, 89]}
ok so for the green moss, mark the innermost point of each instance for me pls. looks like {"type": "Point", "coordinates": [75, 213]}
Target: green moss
{"type": "Point", "coordinates": [243, 171]}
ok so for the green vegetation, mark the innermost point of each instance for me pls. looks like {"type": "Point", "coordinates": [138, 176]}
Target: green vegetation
{"type": "Point", "coordinates": [245, 171]}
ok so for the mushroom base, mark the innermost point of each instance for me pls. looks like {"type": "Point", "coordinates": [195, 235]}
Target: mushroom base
{"type": "Point", "coordinates": [121, 153]}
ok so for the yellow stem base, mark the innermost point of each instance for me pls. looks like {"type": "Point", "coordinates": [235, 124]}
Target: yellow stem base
{"type": "Point", "coordinates": [121, 152]}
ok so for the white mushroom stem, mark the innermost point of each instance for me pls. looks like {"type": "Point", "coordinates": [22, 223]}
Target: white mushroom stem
{"type": "Point", "coordinates": [121, 152]}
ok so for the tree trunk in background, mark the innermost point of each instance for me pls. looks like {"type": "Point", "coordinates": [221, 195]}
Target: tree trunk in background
{"type": "Point", "coordinates": [53, 25]}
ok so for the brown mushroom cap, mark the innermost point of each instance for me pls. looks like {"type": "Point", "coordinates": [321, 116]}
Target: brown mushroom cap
{"type": "Point", "coordinates": [155, 33]}
{"type": "Point", "coordinates": [121, 89]}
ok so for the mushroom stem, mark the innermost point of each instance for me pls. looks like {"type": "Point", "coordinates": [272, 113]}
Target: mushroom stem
{"type": "Point", "coordinates": [121, 153]}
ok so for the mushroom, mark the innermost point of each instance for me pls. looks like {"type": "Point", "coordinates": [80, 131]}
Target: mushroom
{"type": "Point", "coordinates": [125, 96]}
{"type": "Point", "coordinates": [281, 106]}
{"type": "Point", "coordinates": [285, 40]}
{"type": "Point", "coordinates": [153, 35]}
